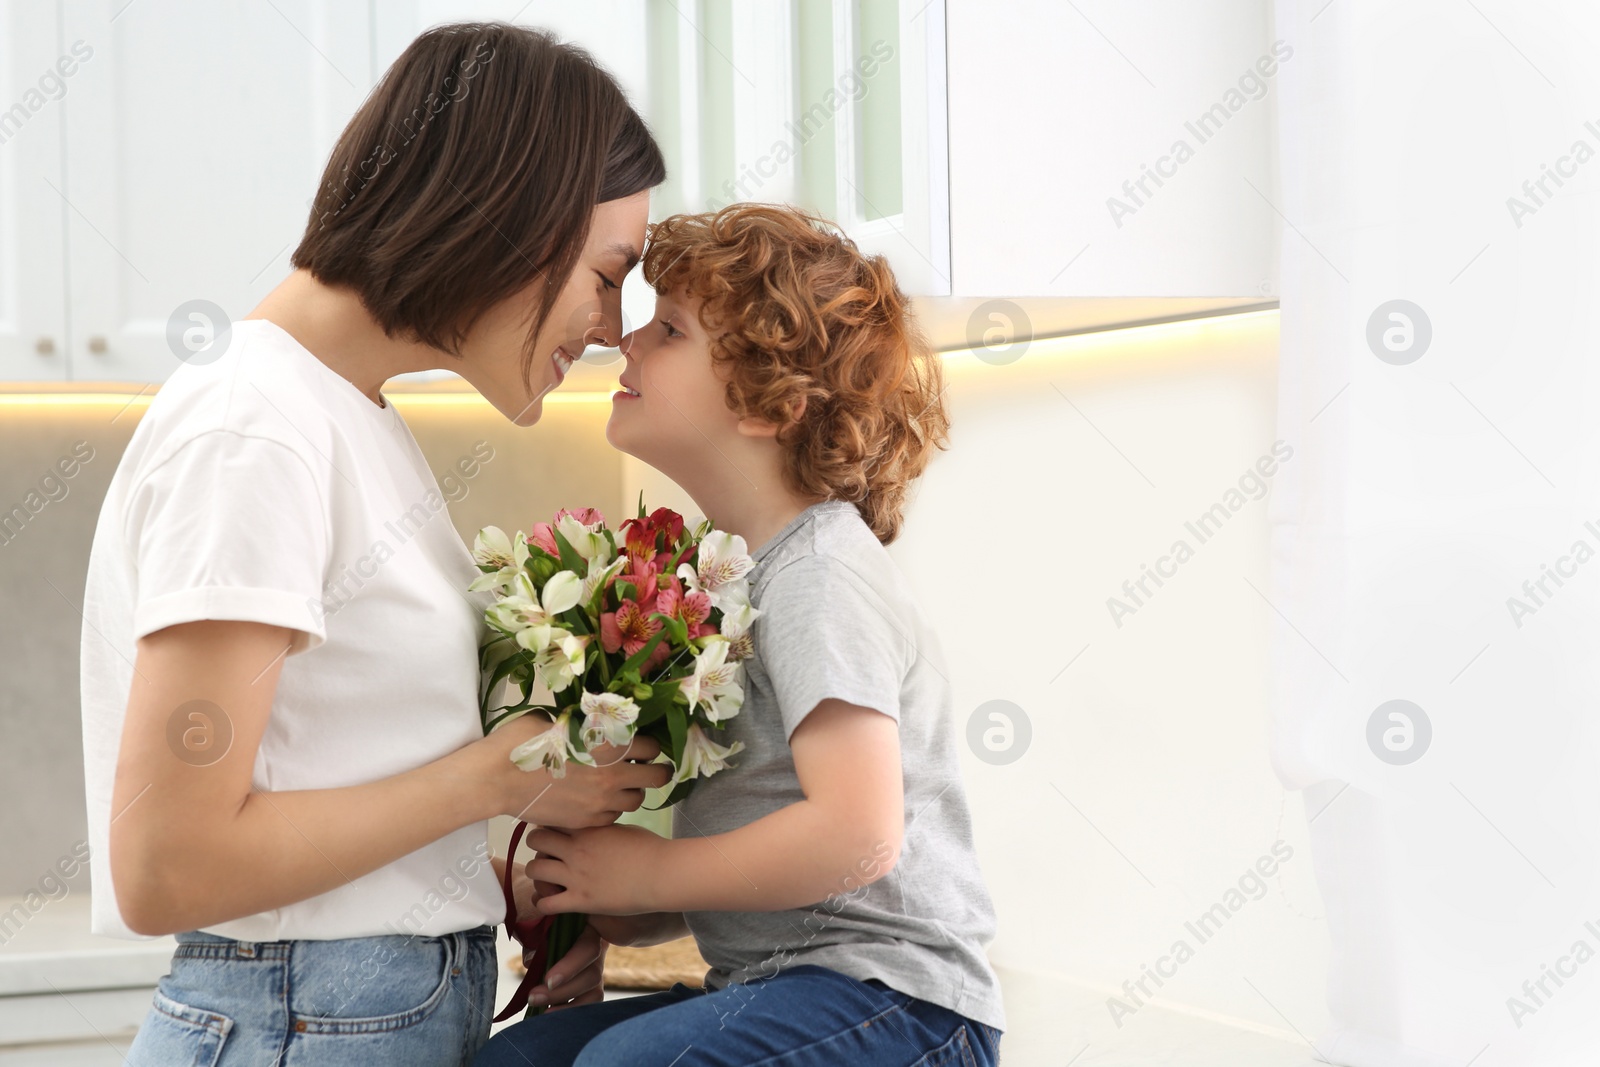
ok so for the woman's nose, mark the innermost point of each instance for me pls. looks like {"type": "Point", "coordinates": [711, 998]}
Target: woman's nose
{"type": "Point", "coordinates": [602, 326]}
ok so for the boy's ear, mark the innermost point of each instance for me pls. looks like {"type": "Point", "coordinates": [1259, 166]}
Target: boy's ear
{"type": "Point", "coordinates": [755, 426]}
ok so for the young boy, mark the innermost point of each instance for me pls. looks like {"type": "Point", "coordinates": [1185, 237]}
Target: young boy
{"type": "Point", "coordinates": [828, 876]}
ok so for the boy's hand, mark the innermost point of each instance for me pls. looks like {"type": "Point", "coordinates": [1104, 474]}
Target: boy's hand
{"type": "Point", "coordinates": [604, 870]}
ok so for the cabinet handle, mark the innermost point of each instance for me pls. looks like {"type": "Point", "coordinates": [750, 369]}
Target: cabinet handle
{"type": "Point", "coordinates": [45, 346]}
{"type": "Point", "coordinates": [97, 345]}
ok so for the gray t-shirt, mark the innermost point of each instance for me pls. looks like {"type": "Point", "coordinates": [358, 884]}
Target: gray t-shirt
{"type": "Point", "coordinates": [838, 620]}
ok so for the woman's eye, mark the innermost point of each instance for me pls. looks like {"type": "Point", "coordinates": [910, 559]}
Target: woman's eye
{"type": "Point", "coordinates": [672, 331]}
{"type": "Point", "coordinates": [609, 283]}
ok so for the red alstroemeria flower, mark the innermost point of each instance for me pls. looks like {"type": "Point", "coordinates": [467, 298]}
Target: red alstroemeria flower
{"type": "Point", "coordinates": [644, 580]}
{"type": "Point", "coordinates": [667, 521]}
{"type": "Point", "coordinates": [639, 542]}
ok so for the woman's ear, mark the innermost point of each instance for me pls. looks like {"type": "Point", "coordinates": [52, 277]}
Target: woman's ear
{"type": "Point", "coordinates": [755, 426]}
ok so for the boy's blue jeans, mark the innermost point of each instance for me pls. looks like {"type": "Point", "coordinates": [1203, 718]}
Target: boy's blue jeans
{"type": "Point", "coordinates": [802, 1016]}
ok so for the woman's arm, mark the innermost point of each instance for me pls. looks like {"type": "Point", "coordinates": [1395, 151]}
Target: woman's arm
{"type": "Point", "coordinates": [846, 833]}
{"type": "Point", "coordinates": [193, 845]}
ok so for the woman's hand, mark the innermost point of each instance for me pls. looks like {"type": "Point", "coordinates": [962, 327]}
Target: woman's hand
{"type": "Point", "coordinates": [584, 796]}
{"type": "Point", "coordinates": [576, 978]}
{"type": "Point", "coordinates": [600, 871]}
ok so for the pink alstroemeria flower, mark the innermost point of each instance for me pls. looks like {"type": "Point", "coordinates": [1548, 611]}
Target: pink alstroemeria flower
{"type": "Point", "coordinates": [587, 516]}
{"type": "Point", "coordinates": [543, 535]}
{"type": "Point", "coordinates": [692, 609]}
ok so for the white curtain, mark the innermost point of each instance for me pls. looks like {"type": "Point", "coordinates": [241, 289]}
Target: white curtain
{"type": "Point", "coordinates": [1437, 540]}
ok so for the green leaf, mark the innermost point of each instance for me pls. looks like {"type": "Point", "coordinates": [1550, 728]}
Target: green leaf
{"type": "Point", "coordinates": [503, 670]}
{"type": "Point", "coordinates": [569, 555]}
{"type": "Point", "coordinates": [656, 705]}
{"type": "Point", "coordinates": [678, 724]}
{"type": "Point", "coordinates": [494, 643]}
{"type": "Point", "coordinates": [512, 711]}
{"type": "Point", "coordinates": [679, 791]}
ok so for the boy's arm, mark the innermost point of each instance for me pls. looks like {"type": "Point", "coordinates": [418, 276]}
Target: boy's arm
{"type": "Point", "coordinates": [651, 928]}
{"type": "Point", "coordinates": [845, 833]}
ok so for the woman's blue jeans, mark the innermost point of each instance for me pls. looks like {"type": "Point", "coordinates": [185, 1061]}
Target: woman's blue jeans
{"type": "Point", "coordinates": [393, 999]}
{"type": "Point", "coordinates": [801, 1017]}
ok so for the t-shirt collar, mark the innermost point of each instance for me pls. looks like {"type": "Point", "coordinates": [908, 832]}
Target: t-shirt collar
{"type": "Point", "coordinates": [385, 414]}
{"type": "Point", "coordinates": [794, 524]}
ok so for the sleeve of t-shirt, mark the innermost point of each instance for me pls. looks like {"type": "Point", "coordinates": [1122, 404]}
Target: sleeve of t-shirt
{"type": "Point", "coordinates": [823, 633]}
{"type": "Point", "coordinates": [230, 527]}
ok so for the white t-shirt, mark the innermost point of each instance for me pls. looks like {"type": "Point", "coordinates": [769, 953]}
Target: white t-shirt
{"type": "Point", "coordinates": [265, 487]}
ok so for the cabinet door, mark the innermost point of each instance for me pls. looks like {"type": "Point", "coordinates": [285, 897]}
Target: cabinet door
{"type": "Point", "coordinates": [194, 143]}
{"type": "Point", "coordinates": [33, 96]}
{"type": "Point", "coordinates": [1113, 149]}
{"type": "Point", "coordinates": [836, 106]}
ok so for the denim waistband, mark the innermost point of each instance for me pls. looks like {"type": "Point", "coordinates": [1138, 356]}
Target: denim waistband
{"type": "Point", "coordinates": [200, 944]}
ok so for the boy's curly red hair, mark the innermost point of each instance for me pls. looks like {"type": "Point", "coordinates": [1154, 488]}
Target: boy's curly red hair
{"type": "Point", "coordinates": [795, 310]}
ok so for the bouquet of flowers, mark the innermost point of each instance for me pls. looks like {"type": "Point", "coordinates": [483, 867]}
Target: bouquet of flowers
{"type": "Point", "coordinates": [638, 630]}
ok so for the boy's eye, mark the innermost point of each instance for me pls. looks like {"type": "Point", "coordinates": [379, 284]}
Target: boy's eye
{"type": "Point", "coordinates": [672, 331]}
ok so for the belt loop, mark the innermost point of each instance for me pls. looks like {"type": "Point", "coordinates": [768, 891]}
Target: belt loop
{"type": "Point", "coordinates": [245, 949]}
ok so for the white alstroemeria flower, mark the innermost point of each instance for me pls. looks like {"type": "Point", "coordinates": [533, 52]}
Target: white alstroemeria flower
{"type": "Point", "coordinates": [563, 590]}
{"type": "Point", "coordinates": [720, 565]}
{"type": "Point", "coordinates": [587, 541]}
{"type": "Point", "coordinates": [739, 613]}
{"type": "Point", "coordinates": [530, 618]}
{"type": "Point", "coordinates": [737, 618]}
{"type": "Point", "coordinates": [493, 548]}
{"type": "Point", "coordinates": [549, 750]}
{"type": "Point", "coordinates": [608, 718]}
{"type": "Point", "coordinates": [714, 684]}
{"type": "Point", "coordinates": [599, 575]}
{"type": "Point", "coordinates": [703, 756]}
{"type": "Point", "coordinates": [522, 616]}
{"type": "Point", "coordinates": [561, 661]}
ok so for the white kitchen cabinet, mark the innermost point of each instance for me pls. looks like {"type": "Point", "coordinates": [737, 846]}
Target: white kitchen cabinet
{"type": "Point", "coordinates": [193, 143]}
{"type": "Point", "coordinates": [33, 90]}
{"type": "Point", "coordinates": [1067, 180]}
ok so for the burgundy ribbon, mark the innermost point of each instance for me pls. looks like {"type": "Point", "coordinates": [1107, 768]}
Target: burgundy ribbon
{"type": "Point", "coordinates": [529, 933]}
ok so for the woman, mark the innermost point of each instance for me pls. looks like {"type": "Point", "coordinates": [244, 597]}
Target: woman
{"type": "Point", "coordinates": [283, 758]}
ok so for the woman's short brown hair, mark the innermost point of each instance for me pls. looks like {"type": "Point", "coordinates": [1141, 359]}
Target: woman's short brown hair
{"type": "Point", "coordinates": [795, 311]}
{"type": "Point", "coordinates": [471, 170]}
